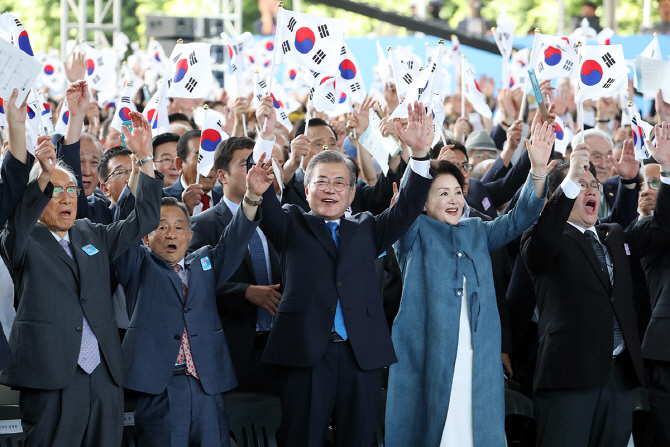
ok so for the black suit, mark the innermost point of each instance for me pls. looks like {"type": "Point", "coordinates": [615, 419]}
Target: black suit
{"type": "Point", "coordinates": [176, 189]}
{"type": "Point", "coordinates": [238, 315]}
{"type": "Point", "coordinates": [655, 346]}
{"type": "Point", "coordinates": [577, 304]}
{"type": "Point", "coordinates": [321, 377]}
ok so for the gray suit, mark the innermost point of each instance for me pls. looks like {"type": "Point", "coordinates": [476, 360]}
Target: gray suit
{"type": "Point", "coordinates": [52, 294]}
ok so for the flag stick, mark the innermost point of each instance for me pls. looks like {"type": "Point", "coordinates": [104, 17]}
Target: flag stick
{"type": "Point", "coordinates": [462, 85]}
{"type": "Point", "coordinates": [395, 75]}
{"type": "Point", "coordinates": [438, 68]}
{"type": "Point", "coordinates": [354, 130]}
{"type": "Point", "coordinates": [272, 61]}
{"type": "Point", "coordinates": [580, 112]}
{"type": "Point", "coordinates": [244, 125]}
{"type": "Point", "coordinates": [444, 141]}
{"type": "Point", "coordinates": [39, 109]}
{"type": "Point", "coordinates": [525, 83]}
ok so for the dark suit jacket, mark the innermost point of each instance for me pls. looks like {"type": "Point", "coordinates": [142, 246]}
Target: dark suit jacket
{"type": "Point", "coordinates": [499, 192]}
{"type": "Point", "coordinates": [316, 274]}
{"type": "Point", "coordinates": [53, 292]}
{"type": "Point", "coordinates": [656, 265]}
{"type": "Point", "coordinates": [13, 181]}
{"type": "Point", "coordinates": [374, 199]}
{"type": "Point", "coordinates": [92, 208]}
{"type": "Point", "coordinates": [574, 296]}
{"type": "Point", "coordinates": [158, 312]}
{"type": "Point", "coordinates": [175, 190]}
{"type": "Point", "coordinates": [238, 315]}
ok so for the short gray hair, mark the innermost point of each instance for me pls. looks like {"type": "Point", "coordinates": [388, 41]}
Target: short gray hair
{"type": "Point", "coordinates": [331, 157]}
{"type": "Point", "coordinates": [88, 136]}
{"type": "Point", "coordinates": [60, 166]}
{"type": "Point", "coordinates": [591, 133]}
{"type": "Point", "coordinates": [171, 201]}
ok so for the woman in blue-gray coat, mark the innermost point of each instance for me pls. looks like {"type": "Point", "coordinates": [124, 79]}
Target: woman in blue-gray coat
{"type": "Point", "coordinates": [447, 388]}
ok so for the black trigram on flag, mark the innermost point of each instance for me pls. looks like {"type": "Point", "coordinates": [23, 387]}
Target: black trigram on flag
{"type": "Point", "coordinates": [176, 58]}
{"type": "Point", "coordinates": [407, 78]}
{"type": "Point", "coordinates": [283, 115]}
{"type": "Point", "coordinates": [540, 67]}
{"type": "Point", "coordinates": [259, 96]}
{"type": "Point", "coordinates": [233, 68]}
{"type": "Point", "coordinates": [330, 97]}
{"type": "Point", "coordinates": [190, 85]}
{"type": "Point", "coordinates": [125, 99]}
{"type": "Point", "coordinates": [96, 79]}
{"type": "Point", "coordinates": [200, 157]}
{"type": "Point", "coordinates": [608, 59]}
{"type": "Point", "coordinates": [218, 123]}
{"type": "Point", "coordinates": [609, 83]}
{"type": "Point", "coordinates": [311, 93]}
{"type": "Point", "coordinates": [355, 87]}
{"type": "Point", "coordinates": [323, 31]}
{"type": "Point", "coordinates": [17, 22]}
{"type": "Point", "coordinates": [191, 58]}
{"type": "Point", "coordinates": [568, 65]}
{"type": "Point", "coordinates": [319, 57]}
{"type": "Point", "coordinates": [410, 64]}
{"type": "Point", "coordinates": [343, 51]}
{"type": "Point", "coordinates": [262, 84]}
{"type": "Point", "coordinates": [420, 90]}
{"type": "Point", "coordinates": [315, 74]}
{"type": "Point", "coordinates": [433, 69]}
{"type": "Point", "coordinates": [291, 24]}
{"type": "Point", "coordinates": [285, 46]}
{"type": "Point", "coordinates": [234, 47]}
{"type": "Point", "coordinates": [100, 61]}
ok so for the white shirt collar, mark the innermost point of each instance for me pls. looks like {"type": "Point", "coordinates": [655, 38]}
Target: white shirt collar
{"type": "Point", "coordinates": [232, 206]}
{"type": "Point", "coordinates": [593, 229]}
{"type": "Point", "coordinates": [58, 238]}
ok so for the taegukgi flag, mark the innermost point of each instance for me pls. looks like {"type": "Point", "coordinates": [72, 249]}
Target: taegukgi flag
{"type": "Point", "coordinates": [602, 71]}
{"type": "Point", "coordinates": [191, 71]}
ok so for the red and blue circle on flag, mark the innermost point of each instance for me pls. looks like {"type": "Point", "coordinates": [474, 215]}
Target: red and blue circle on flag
{"type": "Point", "coordinates": [342, 98]}
{"type": "Point", "coordinates": [24, 43]}
{"type": "Point", "coordinates": [304, 40]}
{"type": "Point", "coordinates": [292, 74]}
{"type": "Point", "coordinates": [31, 112]}
{"type": "Point", "coordinates": [90, 67]}
{"type": "Point", "coordinates": [124, 113]}
{"type": "Point", "coordinates": [2, 106]}
{"type": "Point", "coordinates": [150, 118]}
{"type": "Point", "coordinates": [552, 56]}
{"type": "Point", "coordinates": [66, 116]}
{"type": "Point", "coordinates": [180, 69]}
{"type": "Point", "coordinates": [559, 132]}
{"type": "Point", "coordinates": [47, 109]}
{"type": "Point", "coordinates": [49, 70]}
{"type": "Point", "coordinates": [347, 69]}
{"type": "Point", "coordinates": [591, 72]}
{"type": "Point", "coordinates": [269, 46]}
{"type": "Point", "coordinates": [275, 102]}
{"type": "Point", "coordinates": [210, 140]}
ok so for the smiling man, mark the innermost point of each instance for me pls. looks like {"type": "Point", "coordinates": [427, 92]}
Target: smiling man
{"type": "Point", "coordinates": [589, 355]}
{"type": "Point", "coordinates": [198, 193]}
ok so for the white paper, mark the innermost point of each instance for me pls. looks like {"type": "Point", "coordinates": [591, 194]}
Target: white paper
{"type": "Point", "coordinates": [378, 146]}
{"type": "Point", "coordinates": [652, 74]}
{"type": "Point", "coordinates": [17, 70]}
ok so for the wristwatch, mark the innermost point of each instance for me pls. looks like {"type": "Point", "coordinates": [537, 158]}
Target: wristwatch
{"type": "Point", "coordinates": [145, 160]}
{"type": "Point", "coordinates": [253, 202]}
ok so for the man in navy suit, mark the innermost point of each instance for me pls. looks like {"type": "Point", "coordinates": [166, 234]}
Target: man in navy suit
{"type": "Point", "coordinates": [177, 357]}
{"type": "Point", "coordinates": [198, 193]}
{"type": "Point", "coordinates": [248, 302]}
{"type": "Point", "coordinates": [330, 334]}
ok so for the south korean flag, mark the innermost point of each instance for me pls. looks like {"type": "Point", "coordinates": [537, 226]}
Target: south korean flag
{"type": "Point", "coordinates": [556, 60]}
{"type": "Point", "coordinates": [123, 109]}
{"type": "Point", "coordinates": [156, 111]}
{"type": "Point", "coordinates": [641, 133]}
{"type": "Point", "coordinates": [602, 71]}
{"type": "Point", "coordinates": [403, 73]}
{"type": "Point", "coordinates": [53, 74]}
{"type": "Point", "coordinates": [191, 71]}
{"type": "Point", "coordinates": [311, 41]}
{"type": "Point", "coordinates": [100, 68]}
{"type": "Point", "coordinates": [422, 90]}
{"type": "Point", "coordinates": [323, 97]}
{"type": "Point", "coordinates": [237, 46]}
{"type": "Point", "coordinates": [563, 136]}
{"type": "Point", "coordinates": [261, 90]}
{"type": "Point", "coordinates": [349, 79]}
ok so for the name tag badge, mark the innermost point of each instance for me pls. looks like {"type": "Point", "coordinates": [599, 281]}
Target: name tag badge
{"type": "Point", "coordinates": [486, 203]}
{"type": "Point", "coordinates": [206, 265]}
{"type": "Point", "coordinates": [625, 246]}
{"type": "Point", "coordinates": [89, 249]}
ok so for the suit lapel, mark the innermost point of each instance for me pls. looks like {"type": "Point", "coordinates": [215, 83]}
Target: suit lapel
{"type": "Point", "coordinates": [322, 233]}
{"type": "Point", "coordinates": [44, 237]}
{"type": "Point", "coordinates": [225, 216]}
{"type": "Point", "coordinates": [170, 273]}
{"type": "Point", "coordinates": [590, 253]}
{"type": "Point", "coordinates": [76, 243]}
{"type": "Point", "coordinates": [347, 231]}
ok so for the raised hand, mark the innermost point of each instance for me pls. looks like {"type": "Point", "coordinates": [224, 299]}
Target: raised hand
{"type": "Point", "coordinates": [662, 150]}
{"type": "Point", "coordinates": [340, 131]}
{"type": "Point", "coordinates": [539, 150]}
{"type": "Point", "coordinates": [77, 98]}
{"type": "Point", "coordinates": [447, 154]}
{"type": "Point", "coordinates": [395, 194]}
{"type": "Point", "coordinates": [514, 135]}
{"type": "Point", "coordinates": [46, 156]}
{"type": "Point", "coordinates": [662, 108]}
{"type": "Point", "coordinates": [139, 140]}
{"type": "Point", "coordinates": [461, 128]}
{"type": "Point", "coordinates": [579, 161]}
{"type": "Point", "coordinates": [415, 136]}
{"type": "Point", "coordinates": [192, 196]}
{"type": "Point", "coordinates": [15, 115]}
{"type": "Point", "coordinates": [266, 111]}
{"type": "Point", "coordinates": [360, 119]}
{"type": "Point", "coordinates": [627, 166]}
{"type": "Point", "coordinates": [77, 69]}
{"type": "Point", "coordinates": [507, 105]}
{"type": "Point", "coordinates": [259, 178]}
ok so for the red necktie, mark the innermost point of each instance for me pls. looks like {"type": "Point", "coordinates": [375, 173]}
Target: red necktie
{"type": "Point", "coordinates": [205, 201]}
{"type": "Point", "coordinates": [185, 348]}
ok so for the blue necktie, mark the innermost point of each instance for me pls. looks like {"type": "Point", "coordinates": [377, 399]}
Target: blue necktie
{"type": "Point", "coordinates": [264, 319]}
{"type": "Point", "coordinates": [340, 327]}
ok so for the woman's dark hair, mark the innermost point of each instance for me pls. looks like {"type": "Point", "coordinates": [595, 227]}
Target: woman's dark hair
{"type": "Point", "coordinates": [442, 167]}
{"type": "Point", "coordinates": [434, 152]}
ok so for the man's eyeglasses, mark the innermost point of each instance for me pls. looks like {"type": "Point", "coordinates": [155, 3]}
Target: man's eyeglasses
{"type": "Point", "coordinates": [120, 173]}
{"type": "Point", "coordinates": [71, 191]}
{"type": "Point", "coordinates": [166, 160]}
{"type": "Point", "coordinates": [467, 167]}
{"type": "Point", "coordinates": [654, 183]}
{"type": "Point", "coordinates": [584, 185]}
{"type": "Point", "coordinates": [338, 185]}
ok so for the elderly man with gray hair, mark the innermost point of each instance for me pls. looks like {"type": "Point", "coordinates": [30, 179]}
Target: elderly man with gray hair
{"type": "Point", "coordinates": [67, 354]}
{"type": "Point", "coordinates": [600, 146]}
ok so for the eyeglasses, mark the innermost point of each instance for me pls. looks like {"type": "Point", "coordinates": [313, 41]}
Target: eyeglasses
{"type": "Point", "coordinates": [71, 191]}
{"type": "Point", "coordinates": [584, 185]}
{"type": "Point", "coordinates": [121, 173]}
{"type": "Point", "coordinates": [467, 167]}
{"type": "Point", "coordinates": [166, 160]}
{"type": "Point", "coordinates": [338, 185]}
{"type": "Point", "coordinates": [654, 183]}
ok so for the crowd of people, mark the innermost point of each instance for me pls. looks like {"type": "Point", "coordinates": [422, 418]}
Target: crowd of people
{"type": "Point", "coordinates": [296, 268]}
